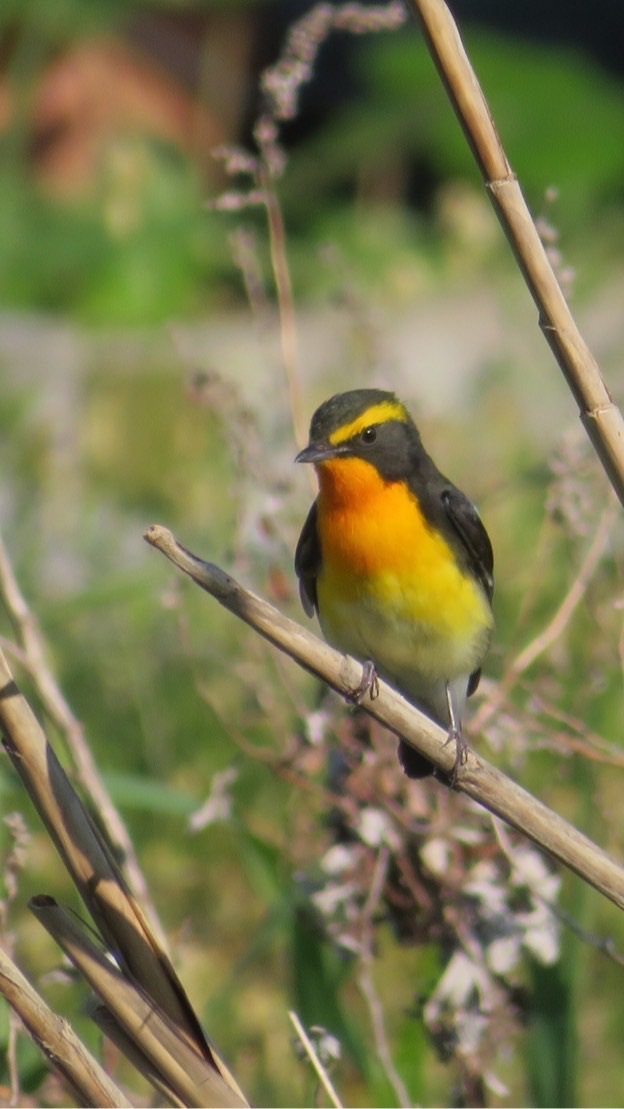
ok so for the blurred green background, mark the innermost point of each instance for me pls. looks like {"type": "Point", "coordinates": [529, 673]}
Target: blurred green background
{"type": "Point", "coordinates": [140, 385]}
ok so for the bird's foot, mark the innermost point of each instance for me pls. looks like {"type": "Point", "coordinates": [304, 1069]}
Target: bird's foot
{"type": "Point", "coordinates": [368, 684]}
{"type": "Point", "coordinates": [457, 737]}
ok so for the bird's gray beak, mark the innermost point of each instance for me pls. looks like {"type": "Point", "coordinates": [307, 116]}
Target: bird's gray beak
{"type": "Point", "coordinates": [321, 452]}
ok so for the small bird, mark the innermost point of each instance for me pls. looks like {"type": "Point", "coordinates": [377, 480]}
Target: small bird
{"type": "Point", "coordinates": [396, 561]}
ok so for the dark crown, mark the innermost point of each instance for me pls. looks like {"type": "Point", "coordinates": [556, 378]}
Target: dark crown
{"type": "Point", "coordinates": [343, 408]}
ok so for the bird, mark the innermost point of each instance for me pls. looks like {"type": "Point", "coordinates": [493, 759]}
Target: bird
{"type": "Point", "coordinates": [395, 561]}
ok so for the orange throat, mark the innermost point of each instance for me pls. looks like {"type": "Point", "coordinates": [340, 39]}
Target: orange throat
{"type": "Point", "coordinates": [391, 587]}
{"type": "Point", "coordinates": [368, 526]}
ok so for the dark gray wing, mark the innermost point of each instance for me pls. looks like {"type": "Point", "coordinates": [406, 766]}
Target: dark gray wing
{"type": "Point", "coordinates": [308, 561]}
{"type": "Point", "coordinates": [466, 522]}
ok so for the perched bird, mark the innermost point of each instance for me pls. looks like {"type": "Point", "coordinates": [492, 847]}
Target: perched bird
{"type": "Point", "coordinates": [395, 561]}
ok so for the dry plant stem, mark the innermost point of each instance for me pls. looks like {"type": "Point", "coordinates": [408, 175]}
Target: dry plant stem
{"type": "Point", "coordinates": [367, 984]}
{"type": "Point", "coordinates": [288, 322]}
{"type": "Point", "coordinates": [80, 846]}
{"type": "Point", "coordinates": [314, 1059]}
{"type": "Point", "coordinates": [601, 417]}
{"type": "Point", "coordinates": [555, 627]}
{"type": "Point", "coordinates": [11, 1055]}
{"type": "Point", "coordinates": [55, 705]}
{"type": "Point", "coordinates": [57, 1041]}
{"type": "Point", "coordinates": [180, 1063]}
{"type": "Point", "coordinates": [114, 1031]}
{"type": "Point", "coordinates": [478, 779]}
{"type": "Point", "coordinates": [96, 875]}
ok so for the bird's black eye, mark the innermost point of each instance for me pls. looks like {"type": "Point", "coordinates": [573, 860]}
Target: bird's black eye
{"type": "Point", "coordinates": [369, 435]}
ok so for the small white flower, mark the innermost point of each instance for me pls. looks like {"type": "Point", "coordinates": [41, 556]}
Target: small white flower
{"type": "Point", "coordinates": [471, 836]}
{"type": "Point", "coordinates": [218, 805]}
{"type": "Point", "coordinates": [541, 934]}
{"type": "Point", "coordinates": [316, 725]}
{"type": "Point", "coordinates": [461, 981]}
{"type": "Point", "coordinates": [375, 828]}
{"type": "Point", "coordinates": [338, 858]}
{"type": "Point", "coordinates": [436, 854]}
{"type": "Point", "coordinates": [333, 896]}
{"type": "Point", "coordinates": [503, 954]}
{"type": "Point", "coordinates": [328, 1047]}
{"type": "Point", "coordinates": [470, 1028]}
{"type": "Point", "coordinates": [494, 1085]}
{"type": "Point", "coordinates": [530, 869]}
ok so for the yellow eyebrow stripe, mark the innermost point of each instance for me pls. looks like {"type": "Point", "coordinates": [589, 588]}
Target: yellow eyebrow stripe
{"type": "Point", "coordinates": [376, 414]}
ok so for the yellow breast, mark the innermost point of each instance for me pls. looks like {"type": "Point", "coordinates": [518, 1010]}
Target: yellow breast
{"type": "Point", "coordinates": [390, 588]}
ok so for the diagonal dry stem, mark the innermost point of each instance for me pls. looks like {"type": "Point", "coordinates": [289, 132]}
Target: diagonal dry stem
{"type": "Point", "coordinates": [600, 416]}
{"type": "Point", "coordinates": [176, 1061]}
{"type": "Point", "coordinates": [58, 1043]}
{"type": "Point", "coordinates": [310, 1051]}
{"type": "Point", "coordinates": [82, 849]}
{"type": "Point", "coordinates": [33, 657]}
{"type": "Point", "coordinates": [118, 915]}
{"type": "Point", "coordinates": [477, 779]}
{"type": "Point", "coordinates": [129, 1047]}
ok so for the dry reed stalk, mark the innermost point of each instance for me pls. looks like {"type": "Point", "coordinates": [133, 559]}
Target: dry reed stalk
{"type": "Point", "coordinates": [601, 418]}
{"type": "Point", "coordinates": [58, 1042]}
{"type": "Point", "coordinates": [175, 1062]}
{"type": "Point", "coordinates": [477, 779]}
{"type": "Point", "coordinates": [34, 660]}
{"type": "Point", "coordinates": [144, 965]}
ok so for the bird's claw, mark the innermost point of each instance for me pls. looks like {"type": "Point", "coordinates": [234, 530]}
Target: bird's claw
{"type": "Point", "coordinates": [456, 736]}
{"type": "Point", "coordinates": [368, 684]}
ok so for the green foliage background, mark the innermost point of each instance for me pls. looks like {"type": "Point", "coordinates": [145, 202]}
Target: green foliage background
{"type": "Point", "coordinates": [104, 431]}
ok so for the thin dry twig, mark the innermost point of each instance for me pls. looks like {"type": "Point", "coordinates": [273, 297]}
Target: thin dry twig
{"type": "Point", "coordinates": [555, 626]}
{"type": "Point", "coordinates": [13, 865]}
{"type": "Point", "coordinates": [286, 305]}
{"type": "Point", "coordinates": [559, 622]}
{"type": "Point", "coordinates": [367, 984]}
{"type": "Point", "coordinates": [323, 1076]}
{"type": "Point", "coordinates": [281, 85]}
{"type": "Point", "coordinates": [601, 418]}
{"type": "Point", "coordinates": [478, 779]}
{"type": "Point", "coordinates": [575, 735]}
{"type": "Point", "coordinates": [34, 659]}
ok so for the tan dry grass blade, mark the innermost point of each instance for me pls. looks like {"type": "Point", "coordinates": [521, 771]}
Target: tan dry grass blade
{"type": "Point", "coordinates": [83, 851]}
{"type": "Point", "coordinates": [34, 659]}
{"type": "Point", "coordinates": [182, 1067]}
{"type": "Point", "coordinates": [105, 1020]}
{"type": "Point", "coordinates": [120, 919]}
{"type": "Point", "coordinates": [57, 1041]}
{"type": "Point", "coordinates": [477, 778]}
{"type": "Point", "coordinates": [602, 418]}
